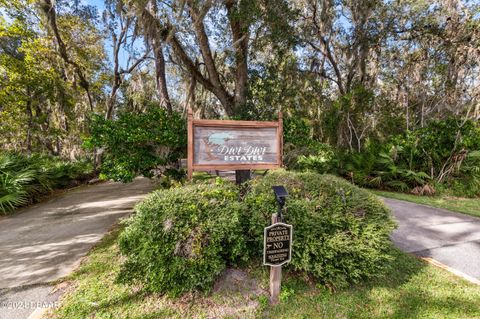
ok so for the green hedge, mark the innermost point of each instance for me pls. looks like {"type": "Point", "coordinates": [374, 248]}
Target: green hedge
{"type": "Point", "coordinates": [340, 232]}
{"type": "Point", "coordinates": [181, 239]}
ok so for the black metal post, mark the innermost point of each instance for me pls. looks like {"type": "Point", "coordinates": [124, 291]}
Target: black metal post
{"type": "Point", "coordinates": [242, 176]}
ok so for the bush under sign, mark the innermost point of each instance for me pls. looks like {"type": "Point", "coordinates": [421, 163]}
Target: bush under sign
{"type": "Point", "coordinates": [277, 249]}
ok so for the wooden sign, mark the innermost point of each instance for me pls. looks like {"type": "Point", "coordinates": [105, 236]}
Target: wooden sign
{"type": "Point", "coordinates": [277, 249]}
{"type": "Point", "coordinates": [233, 145]}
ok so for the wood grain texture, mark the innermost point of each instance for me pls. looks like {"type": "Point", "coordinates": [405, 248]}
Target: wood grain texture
{"type": "Point", "coordinates": [280, 139]}
{"type": "Point", "coordinates": [275, 276]}
{"type": "Point", "coordinates": [190, 144]}
{"type": "Point", "coordinates": [232, 123]}
{"type": "Point", "coordinates": [233, 145]}
{"type": "Point", "coordinates": [230, 167]}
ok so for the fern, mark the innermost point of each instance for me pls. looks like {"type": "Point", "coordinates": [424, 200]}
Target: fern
{"type": "Point", "coordinates": [398, 185]}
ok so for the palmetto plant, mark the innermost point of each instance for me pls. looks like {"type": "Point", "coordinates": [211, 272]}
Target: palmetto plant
{"type": "Point", "coordinates": [13, 190]}
{"type": "Point", "coordinates": [398, 177]}
{"type": "Point", "coordinates": [23, 178]}
{"type": "Point", "coordinates": [381, 170]}
{"type": "Point", "coordinates": [359, 167]}
{"type": "Point", "coordinates": [13, 182]}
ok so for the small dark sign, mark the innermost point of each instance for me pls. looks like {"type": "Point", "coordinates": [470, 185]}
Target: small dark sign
{"type": "Point", "coordinates": [277, 249]}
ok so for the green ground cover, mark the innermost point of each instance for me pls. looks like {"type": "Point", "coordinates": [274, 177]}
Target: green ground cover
{"type": "Point", "coordinates": [410, 289]}
{"type": "Point", "coordinates": [25, 179]}
{"type": "Point", "coordinates": [469, 206]}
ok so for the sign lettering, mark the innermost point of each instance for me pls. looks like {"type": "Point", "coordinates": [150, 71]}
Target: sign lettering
{"type": "Point", "coordinates": [233, 145]}
{"type": "Point", "coordinates": [277, 248]}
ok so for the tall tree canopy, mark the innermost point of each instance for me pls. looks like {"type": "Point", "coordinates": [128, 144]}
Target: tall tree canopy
{"type": "Point", "coordinates": [354, 70]}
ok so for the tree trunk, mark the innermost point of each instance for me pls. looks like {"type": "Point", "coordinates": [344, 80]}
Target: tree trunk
{"type": "Point", "coordinates": [190, 100]}
{"type": "Point", "coordinates": [240, 44]}
{"type": "Point", "coordinates": [111, 101]}
{"type": "Point", "coordinates": [48, 8]}
{"type": "Point", "coordinates": [214, 77]}
{"type": "Point", "coordinates": [160, 78]}
{"type": "Point", "coordinates": [28, 111]}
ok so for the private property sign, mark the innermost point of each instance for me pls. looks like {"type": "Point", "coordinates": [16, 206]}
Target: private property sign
{"type": "Point", "coordinates": [233, 145]}
{"type": "Point", "coordinates": [277, 249]}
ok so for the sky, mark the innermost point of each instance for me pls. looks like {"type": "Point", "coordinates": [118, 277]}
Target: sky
{"type": "Point", "coordinates": [98, 3]}
{"type": "Point", "coordinates": [123, 56]}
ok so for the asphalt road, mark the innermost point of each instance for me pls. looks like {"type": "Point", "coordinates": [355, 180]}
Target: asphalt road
{"type": "Point", "coordinates": [451, 238]}
{"type": "Point", "coordinates": [47, 241]}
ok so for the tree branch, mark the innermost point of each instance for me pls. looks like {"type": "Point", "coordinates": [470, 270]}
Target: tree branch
{"type": "Point", "coordinates": [49, 10]}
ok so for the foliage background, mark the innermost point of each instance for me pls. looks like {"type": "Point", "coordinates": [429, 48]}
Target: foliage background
{"type": "Point", "coordinates": [384, 93]}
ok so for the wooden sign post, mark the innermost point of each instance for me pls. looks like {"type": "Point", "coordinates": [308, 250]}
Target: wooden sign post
{"type": "Point", "coordinates": [277, 251]}
{"type": "Point", "coordinates": [277, 247]}
{"type": "Point", "coordinates": [233, 145]}
{"type": "Point", "coordinates": [243, 146]}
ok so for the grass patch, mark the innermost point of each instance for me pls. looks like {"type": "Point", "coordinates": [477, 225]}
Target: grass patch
{"type": "Point", "coordinates": [410, 289]}
{"type": "Point", "coordinates": [469, 206]}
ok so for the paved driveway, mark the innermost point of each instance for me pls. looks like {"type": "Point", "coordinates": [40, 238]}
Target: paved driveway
{"type": "Point", "coordinates": [450, 238]}
{"type": "Point", "coordinates": [46, 241]}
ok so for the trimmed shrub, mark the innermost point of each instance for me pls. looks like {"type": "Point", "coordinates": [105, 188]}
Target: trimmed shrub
{"type": "Point", "coordinates": [340, 232]}
{"type": "Point", "coordinates": [182, 238]}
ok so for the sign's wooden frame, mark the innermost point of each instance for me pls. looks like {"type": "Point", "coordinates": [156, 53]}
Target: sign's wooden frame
{"type": "Point", "coordinates": [231, 124]}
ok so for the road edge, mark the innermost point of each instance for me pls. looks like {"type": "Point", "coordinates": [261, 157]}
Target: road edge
{"type": "Point", "coordinates": [451, 270]}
